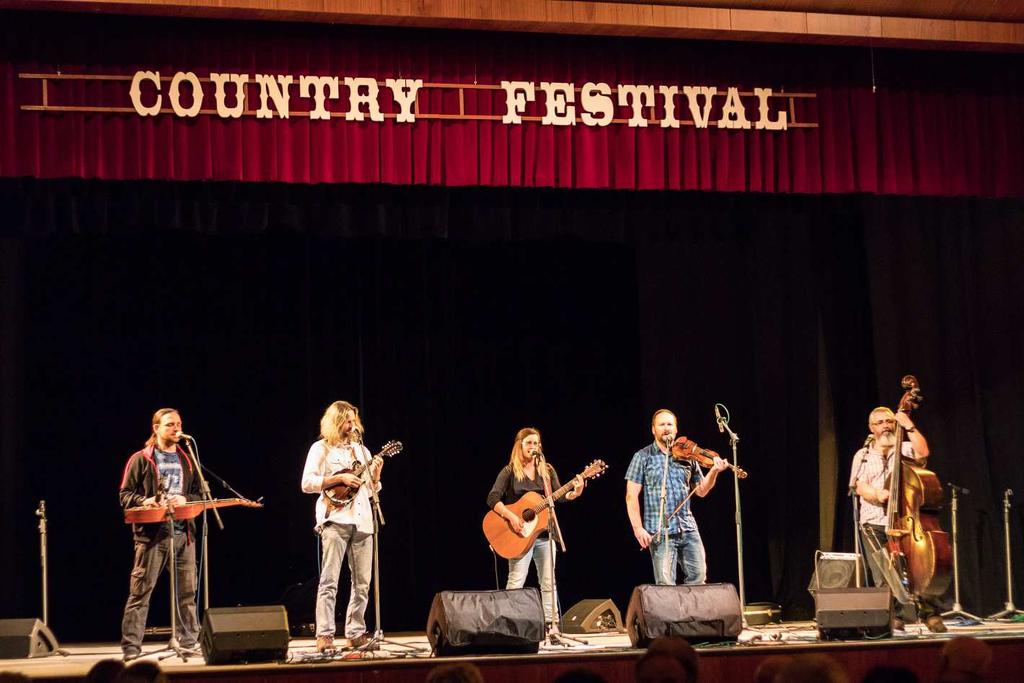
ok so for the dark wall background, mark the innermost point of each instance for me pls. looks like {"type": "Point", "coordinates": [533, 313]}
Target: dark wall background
{"type": "Point", "coordinates": [455, 316]}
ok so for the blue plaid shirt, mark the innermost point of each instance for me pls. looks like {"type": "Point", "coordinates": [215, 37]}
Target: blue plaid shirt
{"type": "Point", "coordinates": [646, 468]}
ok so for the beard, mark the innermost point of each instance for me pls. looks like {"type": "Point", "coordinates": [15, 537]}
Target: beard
{"type": "Point", "coordinates": [887, 440]}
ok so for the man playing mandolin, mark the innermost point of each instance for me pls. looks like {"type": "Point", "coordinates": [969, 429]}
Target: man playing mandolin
{"type": "Point", "coordinates": [872, 466]}
{"type": "Point", "coordinates": [675, 541]}
{"type": "Point", "coordinates": [520, 475]}
{"type": "Point", "coordinates": [345, 529]}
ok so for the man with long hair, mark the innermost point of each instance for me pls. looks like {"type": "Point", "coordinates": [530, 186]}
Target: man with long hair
{"type": "Point", "coordinates": [345, 530]}
{"type": "Point", "coordinates": [161, 473]}
{"type": "Point", "coordinates": [673, 540]}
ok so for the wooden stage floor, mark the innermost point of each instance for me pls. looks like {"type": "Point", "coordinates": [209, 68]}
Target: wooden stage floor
{"type": "Point", "coordinates": [610, 655]}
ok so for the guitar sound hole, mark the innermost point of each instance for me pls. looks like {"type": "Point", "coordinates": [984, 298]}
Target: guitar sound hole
{"type": "Point", "coordinates": [528, 515]}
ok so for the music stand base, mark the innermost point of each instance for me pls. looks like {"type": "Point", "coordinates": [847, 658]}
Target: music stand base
{"type": "Point", "coordinates": [958, 611]}
{"type": "Point", "coordinates": [557, 638]}
{"type": "Point", "coordinates": [1009, 612]}
{"type": "Point", "coordinates": [378, 639]}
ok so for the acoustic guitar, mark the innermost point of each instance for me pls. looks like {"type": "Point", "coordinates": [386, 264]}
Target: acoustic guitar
{"type": "Point", "coordinates": [532, 509]}
{"type": "Point", "coordinates": [340, 495]}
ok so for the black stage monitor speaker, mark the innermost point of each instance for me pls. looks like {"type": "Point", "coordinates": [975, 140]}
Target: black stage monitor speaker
{"type": "Point", "coordinates": [834, 570]}
{"type": "Point", "coordinates": [24, 638]}
{"type": "Point", "coordinates": [244, 634]}
{"type": "Point", "coordinates": [708, 612]}
{"type": "Point", "coordinates": [853, 613]}
{"type": "Point", "coordinates": [593, 616]}
{"type": "Point", "coordinates": [486, 622]}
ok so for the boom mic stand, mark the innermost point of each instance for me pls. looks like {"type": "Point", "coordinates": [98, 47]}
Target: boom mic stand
{"type": "Point", "coordinates": [378, 521]}
{"type": "Point", "coordinates": [957, 610]}
{"type": "Point", "coordinates": [734, 438]}
{"type": "Point", "coordinates": [554, 634]}
{"type": "Point", "coordinates": [1009, 610]}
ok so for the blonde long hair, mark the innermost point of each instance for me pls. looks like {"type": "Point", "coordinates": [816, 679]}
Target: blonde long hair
{"type": "Point", "coordinates": [515, 460]}
{"type": "Point", "coordinates": [157, 416]}
{"type": "Point", "coordinates": [336, 415]}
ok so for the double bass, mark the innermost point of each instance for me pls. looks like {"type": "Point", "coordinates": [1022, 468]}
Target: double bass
{"type": "Point", "coordinates": [918, 548]}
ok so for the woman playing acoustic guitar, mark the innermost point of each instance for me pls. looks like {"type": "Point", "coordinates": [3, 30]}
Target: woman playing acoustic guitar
{"type": "Point", "coordinates": [521, 476]}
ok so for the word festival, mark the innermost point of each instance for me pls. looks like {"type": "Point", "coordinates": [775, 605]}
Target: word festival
{"type": "Point", "coordinates": [558, 104]}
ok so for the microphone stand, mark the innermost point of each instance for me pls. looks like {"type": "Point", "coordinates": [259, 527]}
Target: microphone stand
{"type": "Point", "coordinates": [957, 610]}
{"type": "Point", "coordinates": [734, 438]}
{"type": "Point", "coordinates": [378, 521]}
{"type": "Point", "coordinates": [855, 501]}
{"type": "Point", "coordinates": [554, 634]}
{"type": "Point", "coordinates": [204, 491]}
{"type": "Point", "coordinates": [1009, 610]}
{"type": "Point", "coordinates": [41, 514]}
{"type": "Point", "coordinates": [173, 646]}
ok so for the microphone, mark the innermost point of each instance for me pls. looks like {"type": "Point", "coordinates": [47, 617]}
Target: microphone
{"type": "Point", "coordinates": [718, 419]}
{"type": "Point", "coordinates": [183, 435]}
{"type": "Point", "coordinates": [868, 441]}
{"type": "Point", "coordinates": [958, 489]}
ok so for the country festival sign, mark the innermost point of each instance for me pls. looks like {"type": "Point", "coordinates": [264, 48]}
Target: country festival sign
{"type": "Point", "coordinates": [228, 96]}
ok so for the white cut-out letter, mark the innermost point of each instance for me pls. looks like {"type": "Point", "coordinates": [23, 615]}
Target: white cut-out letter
{"type": "Point", "coordinates": [733, 114]}
{"type": "Point", "coordinates": [316, 87]}
{"type": "Point", "coordinates": [356, 99]}
{"type": "Point", "coordinates": [763, 122]}
{"type": "Point", "coordinates": [273, 88]}
{"type": "Point", "coordinates": [638, 97]}
{"type": "Point", "coordinates": [517, 94]}
{"type": "Point", "coordinates": [220, 94]}
{"type": "Point", "coordinates": [596, 98]}
{"type": "Point", "coordinates": [700, 114]}
{"type": "Point", "coordinates": [558, 103]}
{"type": "Point", "coordinates": [175, 94]}
{"type": "Point", "coordinates": [669, 92]}
{"type": "Point", "coordinates": [404, 90]}
{"type": "Point", "coordinates": [136, 93]}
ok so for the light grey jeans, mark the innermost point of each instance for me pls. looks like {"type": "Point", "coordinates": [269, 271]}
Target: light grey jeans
{"type": "Point", "coordinates": [339, 541]}
{"type": "Point", "coordinates": [540, 553]}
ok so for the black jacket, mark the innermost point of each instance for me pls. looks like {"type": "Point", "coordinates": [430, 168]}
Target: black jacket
{"type": "Point", "coordinates": [141, 480]}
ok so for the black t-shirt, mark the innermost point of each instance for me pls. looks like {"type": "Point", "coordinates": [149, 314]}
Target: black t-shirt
{"type": "Point", "coordinates": [508, 489]}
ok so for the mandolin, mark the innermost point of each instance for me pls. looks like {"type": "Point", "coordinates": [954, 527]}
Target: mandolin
{"type": "Point", "coordinates": [340, 495]}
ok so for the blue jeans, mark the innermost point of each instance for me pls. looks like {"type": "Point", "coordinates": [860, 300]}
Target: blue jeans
{"type": "Point", "coordinates": [339, 541]}
{"type": "Point", "coordinates": [540, 552]}
{"type": "Point", "coordinates": [683, 549]}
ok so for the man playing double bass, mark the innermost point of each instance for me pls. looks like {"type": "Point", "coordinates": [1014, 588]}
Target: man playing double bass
{"type": "Point", "coordinates": [872, 465]}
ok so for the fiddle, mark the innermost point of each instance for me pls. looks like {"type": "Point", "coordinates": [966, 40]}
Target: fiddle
{"type": "Point", "coordinates": [685, 449]}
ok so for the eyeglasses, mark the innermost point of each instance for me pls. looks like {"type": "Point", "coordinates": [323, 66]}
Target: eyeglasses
{"type": "Point", "coordinates": [883, 422]}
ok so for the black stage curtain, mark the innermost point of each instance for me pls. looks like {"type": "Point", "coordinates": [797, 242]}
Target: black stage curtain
{"type": "Point", "coordinates": [455, 316]}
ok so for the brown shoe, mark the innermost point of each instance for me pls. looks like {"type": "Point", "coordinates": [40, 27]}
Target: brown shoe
{"type": "Point", "coordinates": [325, 644]}
{"type": "Point", "coordinates": [365, 642]}
{"type": "Point", "coordinates": [935, 624]}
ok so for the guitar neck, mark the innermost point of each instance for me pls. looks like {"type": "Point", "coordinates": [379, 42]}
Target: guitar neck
{"type": "Point", "coordinates": [555, 496]}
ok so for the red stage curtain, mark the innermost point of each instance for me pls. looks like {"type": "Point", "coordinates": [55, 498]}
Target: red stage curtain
{"type": "Point", "coordinates": [939, 123]}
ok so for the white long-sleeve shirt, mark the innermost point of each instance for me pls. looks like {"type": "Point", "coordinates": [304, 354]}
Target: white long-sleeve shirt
{"type": "Point", "coordinates": [322, 462]}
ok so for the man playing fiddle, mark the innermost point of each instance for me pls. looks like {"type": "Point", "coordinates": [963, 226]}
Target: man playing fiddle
{"type": "Point", "coordinates": [872, 465]}
{"type": "Point", "coordinates": [666, 483]}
